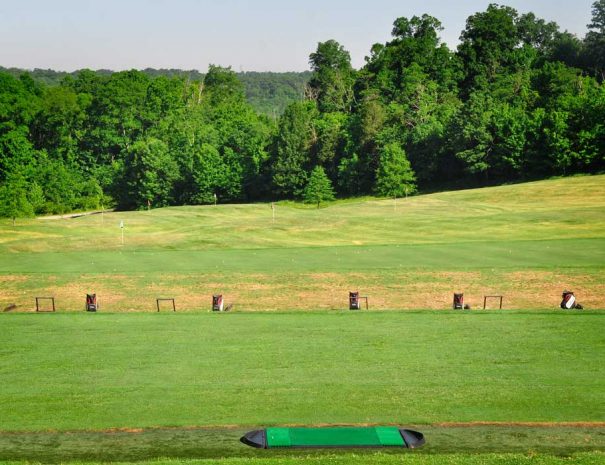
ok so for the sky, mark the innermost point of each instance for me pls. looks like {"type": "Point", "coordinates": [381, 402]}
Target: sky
{"type": "Point", "coordinates": [254, 35]}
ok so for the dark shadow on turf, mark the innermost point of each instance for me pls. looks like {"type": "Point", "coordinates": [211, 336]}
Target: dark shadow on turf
{"type": "Point", "coordinates": [130, 446]}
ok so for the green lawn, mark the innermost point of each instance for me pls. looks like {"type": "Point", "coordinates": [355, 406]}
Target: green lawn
{"type": "Point", "coordinates": [69, 380]}
{"type": "Point", "coordinates": [142, 370]}
{"type": "Point", "coordinates": [570, 208]}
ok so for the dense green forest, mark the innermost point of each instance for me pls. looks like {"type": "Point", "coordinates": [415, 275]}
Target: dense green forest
{"type": "Point", "coordinates": [519, 99]}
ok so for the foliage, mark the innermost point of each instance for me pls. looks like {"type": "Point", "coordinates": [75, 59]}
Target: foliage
{"type": "Point", "coordinates": [488, 44]}
{"type": "Point", "coordinates": [150, 174]}
{"type": "Point", "coordinates": [394, 177]}
{"type": "Point", "coordinates": [14, 202]}
{"type": "Point", "coordinates": [332, 79]}
{"type": "Point", "coordinates": [268, 93]}
{"type": "Point", "coordinates": [293, 142]}
{"type": "Point", "coordinates": [319, 188]}
{"type": "Point", "coordinates": [595, 40]}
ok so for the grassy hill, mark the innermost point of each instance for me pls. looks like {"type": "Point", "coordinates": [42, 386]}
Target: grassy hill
{"type": "Point", "coordinates": [526, 241]}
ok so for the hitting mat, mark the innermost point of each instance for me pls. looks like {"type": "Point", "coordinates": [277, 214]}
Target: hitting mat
{"type": "Point", "coordinates": [377, 436]}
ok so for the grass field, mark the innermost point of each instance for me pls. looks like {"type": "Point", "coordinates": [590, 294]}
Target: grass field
{"type": "Point", "coordinates": [527, 242]}
{"type": "Point", "coordinates": [521, 385]}
{"type": "Point", "coordinates": [139, 386]}
{"type": "Point", "coordinates": [107, 371]}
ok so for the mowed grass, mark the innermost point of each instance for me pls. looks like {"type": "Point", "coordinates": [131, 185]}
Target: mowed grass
{"type": "Point", "coordinates": [526, 241]}
{"type": "Point", "coordinates": [110, 387]}
{"type": "Point", "coordinates": [554, 209]}
{"type": "Point", "coordinates": [64, 372]}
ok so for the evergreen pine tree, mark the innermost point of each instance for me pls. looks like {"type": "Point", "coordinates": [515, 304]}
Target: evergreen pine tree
{"type": "Point", "coordinates": [319, 187]}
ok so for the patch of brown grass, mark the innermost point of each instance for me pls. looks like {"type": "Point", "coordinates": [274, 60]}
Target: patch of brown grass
{"type": "Point", "coordinates": [11, 278]}
{"type": "Point", "coordinates": [532, 289]}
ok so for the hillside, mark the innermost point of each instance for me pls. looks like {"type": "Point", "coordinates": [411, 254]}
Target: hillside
{"type": "Point", "coordinates": [526, 241]}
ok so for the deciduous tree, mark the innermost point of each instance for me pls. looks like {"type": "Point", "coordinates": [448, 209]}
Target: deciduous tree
{"type": "Point", "coordinates": [394, 177]}
{"type": "Point", "coordinates": [295, 137]}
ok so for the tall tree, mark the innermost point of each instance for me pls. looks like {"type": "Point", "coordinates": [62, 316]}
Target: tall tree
{"type": "Point", "coordinates": [209, 174]}
{"type": "Point", "coordinates": [150, 175]}
{"type": "Point", "coordinates": [536, 32]}
{"type": "Point", "coordinates": [568, 49]}
{"type": "Point", "coordinates": [59, 126]}
{"type": "Point", "coordinates": [19, 106]}
{"type": "Point", "coordinates": [295, 137]}
{"type": "Point", "coordinates": [394, 176]}
{"type": "Point", "coordinates": [114, 119]}
{"type": "Point", "coordinates": [487, 44]}
{"type": "Point", "coordinates": [222, 84]}
{"type": "Point", "coordinates": [332, 137]}
{"type": "Point", "coordinates": [470, 135]}
{"type": "Point", "coordinates": [416, 42]}
{"type": "Point", "coordinates": [410, 82]}
{"type": "Point", "coordinates": [595, 40]}
{"type": "Point", "coordinates": [357, 170]}
{"type": "Point", "coordinates": [333, 77]}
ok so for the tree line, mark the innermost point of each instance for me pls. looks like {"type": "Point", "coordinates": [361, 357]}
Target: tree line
{"type": "Point", "coordinates": [518, 99]}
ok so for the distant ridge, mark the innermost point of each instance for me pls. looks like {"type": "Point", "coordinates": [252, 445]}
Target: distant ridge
{"type": "Point", "coordinates": [268, 92]}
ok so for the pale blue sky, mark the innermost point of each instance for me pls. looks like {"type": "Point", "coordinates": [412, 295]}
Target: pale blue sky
{"type": "Point", "coordinates": [260, 35]}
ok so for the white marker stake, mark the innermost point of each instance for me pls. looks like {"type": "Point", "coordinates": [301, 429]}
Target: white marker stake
{"type": "Point", "coordinates": [273, 211]}
{"type": "Point", "coordinates": [122, 228]}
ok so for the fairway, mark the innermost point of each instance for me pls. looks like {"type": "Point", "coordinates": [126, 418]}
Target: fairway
{"type": "Point", "coordinates": [113, 371]}
{"type": "Point", "coordinates": [226, 373]}
{"type": "Point", "coordinates": [527, 242]}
